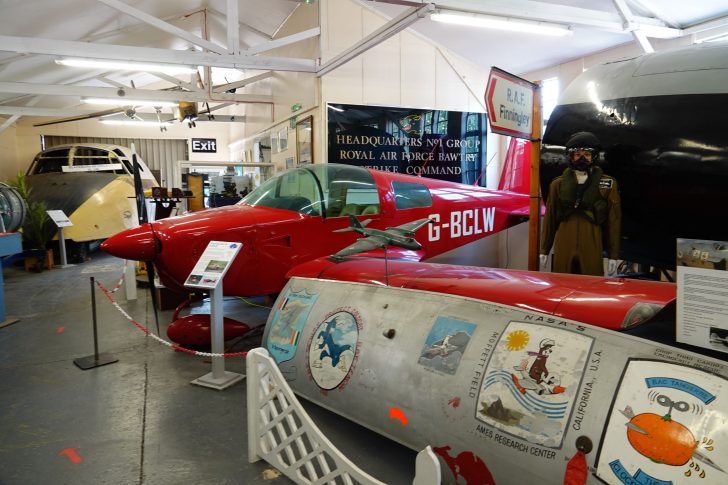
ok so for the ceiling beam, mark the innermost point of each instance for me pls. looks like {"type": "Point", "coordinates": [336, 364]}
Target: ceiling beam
{"type": "Point", "coordinates": [164, 26]}
{"type": "Point", "coordinates": [141, 94]}
{"type": "Point", "coordinates": [639, 36]}
{"type": "Point", "coordinates": [53, 112]}
{"type": "Point", "coordinates": [718, 23]}
{"type": "Point", "coordinates": [649, 6]}
{"type": "Point", "coordinates": [383, 33]}
{"type": "Point", "coordinates": [15, 117]}
{"type": "Point", "coordinates": [134, 27]}
{"type": "Point", "coordinates": [232, 20]}
{"type": "Point", "coordinates": [241, 24]}
{"type": "Point", "coordinates": [177, 82]}
{"type": "Point", "coordinates": [243, 82]}
{"type": "Point", "coordinates": [549, 12]}
{"type": "Point", "coordinates": [111, 82]}
{"type": "Point", "coordinates": [150, 54]}
{"type": "Point", "coordinates": [283, 41]}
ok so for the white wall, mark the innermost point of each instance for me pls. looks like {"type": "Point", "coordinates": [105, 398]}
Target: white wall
{"type": "Point", "coordinates": [9, 166]}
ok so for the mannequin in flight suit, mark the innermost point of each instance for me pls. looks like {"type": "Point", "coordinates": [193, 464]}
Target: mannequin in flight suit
{"type": "Point", "coordinates": [582, 202]}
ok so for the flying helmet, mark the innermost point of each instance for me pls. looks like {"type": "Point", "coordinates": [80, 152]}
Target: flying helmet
{"type": "Point", "coordinates": [582, 150]}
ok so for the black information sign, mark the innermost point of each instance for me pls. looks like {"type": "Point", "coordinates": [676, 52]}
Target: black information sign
{"type": "Point", "coordinates": [204, 145]}
{"type": "Point", "coordinates": [445, 145]}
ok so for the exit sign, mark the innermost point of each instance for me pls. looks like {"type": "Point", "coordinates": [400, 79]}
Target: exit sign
{"type": "Point", "coordinates": [204, 145]}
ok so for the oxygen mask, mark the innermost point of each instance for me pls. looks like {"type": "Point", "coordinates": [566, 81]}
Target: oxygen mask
{"type": "Point", "coordinates": [581, 158]}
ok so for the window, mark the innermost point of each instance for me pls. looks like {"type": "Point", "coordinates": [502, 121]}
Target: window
{"type": "Point", "coordinates": [49, 162]}
{"type": "Point", "coordinates": [409, 196]}
{"type": "Point", "coordinates": [296, 190]}
{"type": "Point", "coordinates": [440, 127]}
{"type": "Point", "coordinates": [348, 190]}
{"type": "Point", "coordinates": [549, 97]}
{"type": "Point", "coordinates": [90, 156]}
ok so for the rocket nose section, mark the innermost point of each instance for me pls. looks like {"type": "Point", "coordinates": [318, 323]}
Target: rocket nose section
{"type": "Point", "coordinates": [137, 244]}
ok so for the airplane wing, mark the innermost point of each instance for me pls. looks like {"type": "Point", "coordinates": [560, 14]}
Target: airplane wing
{"type": "Point", "coordinates": [362, 245]}
{"type": "Point", "coordinates": [409, 228]}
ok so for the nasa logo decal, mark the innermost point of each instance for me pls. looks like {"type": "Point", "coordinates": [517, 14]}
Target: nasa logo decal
{"type": "Point", "coordinates": [333, 349]}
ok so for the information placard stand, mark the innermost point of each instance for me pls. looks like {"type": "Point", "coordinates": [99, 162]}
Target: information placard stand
{"type": "Point", "coordinates": [208, 274]}
{"type": "Point", "coordinates": [61, 221]}
{"type": "Point", "coordinates": [219, 378]}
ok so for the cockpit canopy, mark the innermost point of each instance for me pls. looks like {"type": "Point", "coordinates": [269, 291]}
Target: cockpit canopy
{"type": "Point", "coordinates": [326, 189]}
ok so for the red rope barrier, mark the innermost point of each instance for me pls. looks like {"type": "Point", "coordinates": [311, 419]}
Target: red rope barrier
{"type": "Point", "coordinates": [149, 333]}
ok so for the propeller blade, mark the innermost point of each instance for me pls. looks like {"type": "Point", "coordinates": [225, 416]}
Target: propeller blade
{"type": "Point", "coordinates": [153, 290]}
{"type": "Point", "coordinates": [139, 189]}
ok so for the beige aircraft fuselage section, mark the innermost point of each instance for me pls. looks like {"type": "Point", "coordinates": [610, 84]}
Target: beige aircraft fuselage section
{"type": "Point", "coordinates": [109, 211]}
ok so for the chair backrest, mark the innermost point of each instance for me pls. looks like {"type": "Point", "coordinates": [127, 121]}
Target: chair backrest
{"type": "Point", "coordinates": [370, 209]}
{"type": "Point", "coordinates": [350, 210]}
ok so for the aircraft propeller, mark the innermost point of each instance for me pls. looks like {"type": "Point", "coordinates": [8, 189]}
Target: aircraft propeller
{"type": "Point", "coordinates": [143, 219]}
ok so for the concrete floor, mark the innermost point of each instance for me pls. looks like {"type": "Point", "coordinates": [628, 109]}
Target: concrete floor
{"type": "Point", "coordinates": [138, 420]}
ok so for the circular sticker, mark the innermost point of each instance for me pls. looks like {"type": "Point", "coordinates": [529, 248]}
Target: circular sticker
{"type": "Point", "coordinates": [332, 349]}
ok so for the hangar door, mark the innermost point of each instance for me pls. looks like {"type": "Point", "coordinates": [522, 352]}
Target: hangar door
{"type": "Point", "coordinates": [160, 155]}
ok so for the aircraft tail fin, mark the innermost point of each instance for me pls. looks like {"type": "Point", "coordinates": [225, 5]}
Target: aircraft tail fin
{"type": "Point", "coordinates": [516, 175]}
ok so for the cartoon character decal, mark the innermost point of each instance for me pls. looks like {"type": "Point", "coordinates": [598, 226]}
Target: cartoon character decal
{"type": "Point", "coordinates": [531, 381]}
{"type": "Point", "coordinates": [666, 425]}
{"type": "Point", "coordinates": [288, 320]}
{"type": "Point", "coordinates": [445, 345]}
{"type": "Point", "coordinates": [332, 348]}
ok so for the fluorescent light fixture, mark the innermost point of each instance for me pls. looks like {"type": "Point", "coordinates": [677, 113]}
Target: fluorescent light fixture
{"type": "Point", "coordinates": [134, 122]}
{"type": "Point", "coordinates": [127, 102]}
{"type": "Point", "coordinates": [170, 69]}
{"type": "Point", "coordinates": [502, 23]}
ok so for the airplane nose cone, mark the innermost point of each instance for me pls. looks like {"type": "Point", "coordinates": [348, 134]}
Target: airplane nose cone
{"type": "Point", "coordinates": [137, 244]}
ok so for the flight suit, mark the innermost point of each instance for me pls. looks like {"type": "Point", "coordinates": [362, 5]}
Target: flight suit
{"type": "Point", "coordinates": [575, 216]}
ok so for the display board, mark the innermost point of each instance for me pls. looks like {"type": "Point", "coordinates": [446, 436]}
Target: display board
{"type": "Point", "coordinates": [445, 145]}
{"type": "Point", "coordinates": [213, 264]}
{"type": "Point", "coordinates": [702, 293]}
{"type": "Point", "coordinates": [59, 218]}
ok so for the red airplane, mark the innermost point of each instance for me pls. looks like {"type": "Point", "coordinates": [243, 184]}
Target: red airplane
{"type": "Point", "coordinates": [293, 218]}
{"type": "Point", "coordinates": [298, 217]}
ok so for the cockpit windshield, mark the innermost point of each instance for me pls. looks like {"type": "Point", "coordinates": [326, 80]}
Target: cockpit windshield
{"type": "Point", "coordinates": [329, 189]}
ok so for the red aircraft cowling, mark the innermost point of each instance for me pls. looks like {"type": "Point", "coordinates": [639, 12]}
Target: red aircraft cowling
{"type": "Point", "coordinates": [612, 303]}
{"type": "Point", "coordinates": [276, 239]}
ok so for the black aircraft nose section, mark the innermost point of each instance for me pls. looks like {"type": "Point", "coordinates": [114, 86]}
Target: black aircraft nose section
{"type": "Point", "coordinates": [66, 191]}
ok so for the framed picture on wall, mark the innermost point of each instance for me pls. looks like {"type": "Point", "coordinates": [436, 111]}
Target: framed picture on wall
{"type": "Point", "coordinates": [304, 140]}
{"type": "Point", "coordinates": [283, 139]}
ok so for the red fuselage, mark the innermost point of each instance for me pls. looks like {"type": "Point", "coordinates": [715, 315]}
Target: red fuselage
{"type": "Point", "coordinates": [275, 240]}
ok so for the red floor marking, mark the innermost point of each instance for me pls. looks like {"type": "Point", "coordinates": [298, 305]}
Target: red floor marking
{"type": "Point", "coordinates": [72, 455]}
{"type": "Point", "coordinates": [396, 413]}
{"type": "Point", "coordinates": [60, 329]}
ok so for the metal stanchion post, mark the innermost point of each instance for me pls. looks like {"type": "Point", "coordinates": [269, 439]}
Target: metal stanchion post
{"type": "Point", "coordinates": [96, 360]}
{"type": "Point", "coordinates": [62, 247]}
{"type": "Point", "coordinates": [219, 378]}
